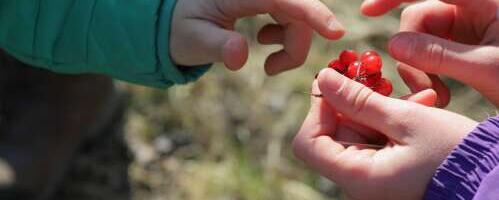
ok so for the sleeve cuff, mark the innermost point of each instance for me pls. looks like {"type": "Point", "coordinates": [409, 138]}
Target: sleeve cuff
{"type": "Point", "coordinates": [460, 175]}
{"type": "Point", "coordinates": [170, 72]}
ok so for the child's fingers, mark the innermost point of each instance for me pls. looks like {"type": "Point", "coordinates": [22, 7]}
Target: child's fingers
{"type": "Point", "coordinates": [350, 131]}
{"type": "Point", "coordinates": [418, 81]}
{"type": "Point", "coordinates": [271, 34]}
{"type": "Point", "coordinates": [362, 105]}
{"type": "Point", "coordinates": [313, 143]}
{"type": "Point", "coordinates": [482, 7]}
{"type": "Point", "coordinates": [321, 119]}
{"type": "Point", "coordinates": [297, 41]}
{"type": "Point", "coordinates": [432, 17]}
{"type": "Point", "coordinates": [379, 7]}
{"type": "Point", "coordinates": [426, 97]}
{"type": "Point", "coordinates": [368, 135]}
{"type": "Point", "coordinates": [313, 12]}
{"type": "Point", "coordinates": [443, 92]}
{"type": "Point", "coordinates": [214, 43]}
{"type": "Point", "coordinates": [347, 134]}
{"type": "Point", "coordinates": [470, 64]}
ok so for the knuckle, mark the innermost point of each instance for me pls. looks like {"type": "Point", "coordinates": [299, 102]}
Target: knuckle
{"type": "Point", "coordinates": [356, 95]}
{"type": "Point", "coordinates": [436, 56]}
{"type": "Point", "coordinates": [361, 99]}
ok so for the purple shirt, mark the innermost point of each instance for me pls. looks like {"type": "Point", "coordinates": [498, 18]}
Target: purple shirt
{"type": "Point", "coordinates": [471, 170]}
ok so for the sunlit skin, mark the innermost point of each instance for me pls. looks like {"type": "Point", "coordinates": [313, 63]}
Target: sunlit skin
{"type": "Point", "coordinates": [458, 39]}
{"type": "Point", "coordinates": [455, 38]}
{"type": "Point", "coordinates": [207, 28]}
{"type": "Point", "coordinates": [417, 138]}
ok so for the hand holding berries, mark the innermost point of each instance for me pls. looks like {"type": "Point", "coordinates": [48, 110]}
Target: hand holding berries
{"type": "Point", "coordinates": [348, 112]}
{"type": "Point", "coordinates": [367, 70]}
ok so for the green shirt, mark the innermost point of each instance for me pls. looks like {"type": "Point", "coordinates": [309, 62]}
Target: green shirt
{"type": "Point", "coordinates": [125, 39]}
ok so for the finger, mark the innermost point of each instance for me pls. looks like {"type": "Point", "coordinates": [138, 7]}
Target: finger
{"type": "Point", "coordinates": [361, 104]}
{"type": "Point", "coordinates": [297, 41]}
{"type": "Point", "coordinates": [432, 17]}
{"type": "Point", "coordinates": [439, 56]}
{"type": "Point", "coordinates": [353, 132]}
{"type": "Point", "coordinates": [321, 119]}
{"type": "Point", "coordinates": [368, 135]}
{"type": "Point", "coordinates": [346, 134]}
{"type": "Point", "coordinates": [443, 92]}
{"type": "Point", "coordinates": [435, 18]}
{"type": "Point", "coordinates": [222, 45]}
{"type": "Point", "coordinates": [313, 12]}
{"type": "Point", "coordinates": [314, 143]}
{"type": "Point", "coordinates": [426, 97]}
{"type": "Point", "coordinates": [484, 7]}
{"type": "Point", "coordinates": [271, 34]}
{"type": "Point", "coordinates": [418, 81]}
{"type": "Point", "coordinates": [379, 7]}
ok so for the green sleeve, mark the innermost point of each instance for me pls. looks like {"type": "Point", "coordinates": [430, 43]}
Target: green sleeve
{"type": "Point", "coordinates": [125, 39]}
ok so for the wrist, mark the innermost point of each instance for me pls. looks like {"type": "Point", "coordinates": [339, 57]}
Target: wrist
{"type": "Point", "coordinates": [168, 67]}
{"type": "Point", "coordinates": [461, 173]}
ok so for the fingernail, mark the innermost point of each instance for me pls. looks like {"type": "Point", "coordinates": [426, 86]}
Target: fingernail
{"type": "Point", "coordinates": [328, 80]}
{"type": "Point", "coordinates": [402, 47]}
{"type": "Point", "coordinates": [335, 26]}
{"type": "Point", "coordinates": [234, 53]}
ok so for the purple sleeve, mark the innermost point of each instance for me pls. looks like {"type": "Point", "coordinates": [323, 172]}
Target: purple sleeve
{"type": "Point", "coordinates": [471, 170]}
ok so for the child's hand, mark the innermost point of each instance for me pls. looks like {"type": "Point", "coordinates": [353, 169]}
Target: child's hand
{"type": "Point", "coordinates": [203, 31]}
{"type": "Point", "coordinates": [456, 38]}
{"type": "Point", "coordinates": [419, 139]}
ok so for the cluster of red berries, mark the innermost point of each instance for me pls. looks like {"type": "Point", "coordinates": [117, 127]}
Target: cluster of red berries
{"type": "Point", "coordinates": [366, 70]}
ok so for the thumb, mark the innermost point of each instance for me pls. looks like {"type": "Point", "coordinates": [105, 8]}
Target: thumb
{"type": "Point", "coordinates": [361, 104]}
{"type": "Point", "coordinates": [211, 44]}
{"type": "Point", "coordinates": [443, 57]}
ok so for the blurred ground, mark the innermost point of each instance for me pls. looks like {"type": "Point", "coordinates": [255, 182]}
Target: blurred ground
{"type": "Point", "coordinates": [228, 135]}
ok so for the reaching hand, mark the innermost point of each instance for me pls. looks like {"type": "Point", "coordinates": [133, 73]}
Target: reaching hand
{"type": "Point", "coordinates": [456, 38]}
{"type": "Point", "coordinates": [203, 31]}
{"type": "Point", "coordinates": [459, 39]}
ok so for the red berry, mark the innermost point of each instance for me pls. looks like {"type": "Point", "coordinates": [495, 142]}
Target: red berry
{"type": "Point", "coordinates": [368, 53]}
{"type": "Point", "coordinates": [355, 70]}
{"type": "Point", "coordinates": [372, 64]}
{"type": "Point", "coordinates": [372, 80]}
{"type": "Point", "coordinates": [369, 81]}
{"type": "Point", "coordinates": [347, 57]}
{"type": "Point", "coordinates": [338, 66]}
{"type": "Point", "coordinates": [384, 87]}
